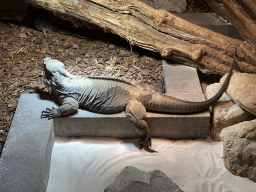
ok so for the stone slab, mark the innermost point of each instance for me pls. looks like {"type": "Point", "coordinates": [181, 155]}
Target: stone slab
{"type": "Point", "coordinates": [181, 79]}
{"type": "Point", "coordinates": [211, 21]}
{"type": "Point", "coordinates": [161, 125]}
{"type": "Point", "coordinates": [203, 18]}
{"type": "Point", "coordinates": [25, 160]}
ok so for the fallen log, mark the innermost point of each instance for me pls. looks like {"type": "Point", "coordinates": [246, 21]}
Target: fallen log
{"type": "Point", "coordinates": [159, 31]}
{"type": "Point", "coordinates": [241, 13]}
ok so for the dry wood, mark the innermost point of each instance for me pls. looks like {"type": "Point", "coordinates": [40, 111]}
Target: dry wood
{"type": "Point", "coordinates": [241, 13]}
{"type": "Point", "coordinates": [160, 31]}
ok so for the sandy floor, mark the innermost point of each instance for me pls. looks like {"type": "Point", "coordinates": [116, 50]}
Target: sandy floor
{"type": "Point", "coordinates": [89, 165]}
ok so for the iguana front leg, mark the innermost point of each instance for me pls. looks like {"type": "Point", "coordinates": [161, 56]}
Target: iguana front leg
{"type": "Point", "coordinates": [136, 112]}
{"type": "Point", "coordinates": [69, 106]}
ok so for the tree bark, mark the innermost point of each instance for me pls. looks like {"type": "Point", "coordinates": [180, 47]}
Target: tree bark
{"type": "Point", "coordinates": [241, 13]}
{"type": "Point", "coordinates": [160, 31]}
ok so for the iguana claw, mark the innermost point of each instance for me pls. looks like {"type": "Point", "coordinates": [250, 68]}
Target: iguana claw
{"type": "Point", "coordinates": [145, 143]}
{"type": "Point", "coordinates": [47, 113]}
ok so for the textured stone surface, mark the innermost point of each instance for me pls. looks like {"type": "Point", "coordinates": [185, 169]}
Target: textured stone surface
{"type": "Point", "coordinates": [225, 113]}
{"type": "Point", "coordinates": [242, 89]}
{"type": "Point", "coordinates": [213, 22]}
{"type": "Point", "coordinates": [26, 157]}
{"type": "Point", "coordinates": [169, 5]}
{"type": "Point", "coordinates": [239, 149]}
{"type": "Point", "coordinates": [133, 179]}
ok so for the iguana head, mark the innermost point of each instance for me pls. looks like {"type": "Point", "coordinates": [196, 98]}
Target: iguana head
{"type": "Point", "coordinates": [54, 72]}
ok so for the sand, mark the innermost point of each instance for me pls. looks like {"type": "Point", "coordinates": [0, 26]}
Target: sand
{"type": "Point", "coordinates": [89, 165]}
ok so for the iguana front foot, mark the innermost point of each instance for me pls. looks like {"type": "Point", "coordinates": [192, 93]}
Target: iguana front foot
{"type": "Point", "coordinates": [50, 113]}
{"type": "Point", "coordinates": [145, 143]}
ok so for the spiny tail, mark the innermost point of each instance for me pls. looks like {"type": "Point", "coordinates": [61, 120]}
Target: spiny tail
{"type": "Point", "coordinates": [163, 103]}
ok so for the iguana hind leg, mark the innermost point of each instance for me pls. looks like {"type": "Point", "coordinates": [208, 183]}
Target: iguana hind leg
{"type": "Point", "coordinates": [136, 112]}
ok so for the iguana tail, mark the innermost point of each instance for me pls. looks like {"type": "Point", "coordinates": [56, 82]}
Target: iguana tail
{"type": "Point", "coordinates": [167, 104]}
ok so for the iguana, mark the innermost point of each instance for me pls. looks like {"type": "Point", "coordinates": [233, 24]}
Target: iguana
{"type": "Point", "coordinates": [112, 95]}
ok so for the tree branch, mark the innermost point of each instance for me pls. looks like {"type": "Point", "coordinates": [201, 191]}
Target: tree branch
{"type": "Point", "coordinates": [160, 31]}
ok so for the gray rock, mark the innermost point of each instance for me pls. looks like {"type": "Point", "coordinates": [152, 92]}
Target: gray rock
{"type": "Point", "coordinates": [239, 149]}
{"type": "Point", "coordinates": [132, 179]}
{"type": "Point", "coordinates": [225, 113]}
{"type": "Point", "coordinates": [169, 5]}
{"type": "Point", "coordinates": [242, 89]}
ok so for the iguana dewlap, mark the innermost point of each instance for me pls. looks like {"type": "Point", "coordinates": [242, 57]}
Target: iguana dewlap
{"type": "Point", "coordinates": [111, 95]}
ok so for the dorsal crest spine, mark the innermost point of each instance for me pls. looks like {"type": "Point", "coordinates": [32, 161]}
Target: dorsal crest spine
{"type": "Point", "coordinates": [109, 78]}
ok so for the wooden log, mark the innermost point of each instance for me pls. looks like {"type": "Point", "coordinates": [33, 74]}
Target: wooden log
{"type": "Point", "coordinates": [241, 13]}
{"type": "Point", "coordinates": [160, 31]}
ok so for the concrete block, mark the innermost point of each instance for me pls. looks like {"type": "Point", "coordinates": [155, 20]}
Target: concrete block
{"type": "Point", "coordinates": [117, 125]}
{"type": "Point", "coordinates": [181, 79]}
{"type": "Point", "coordinates": [25, 160]}
{"type": "Point", "coordinates": [213, 22]}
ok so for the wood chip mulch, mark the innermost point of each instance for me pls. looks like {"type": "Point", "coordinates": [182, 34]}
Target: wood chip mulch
{"type": "Point", "coordinates": [23, 48]}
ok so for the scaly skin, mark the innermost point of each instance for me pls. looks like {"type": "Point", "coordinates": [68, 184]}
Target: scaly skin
{"type": "Point", "coordinates": [110, 95]}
